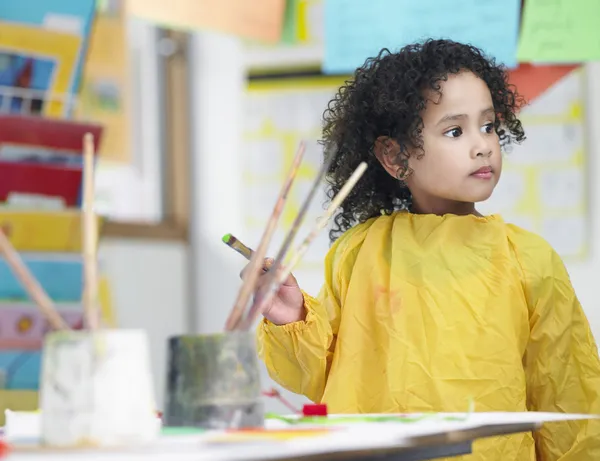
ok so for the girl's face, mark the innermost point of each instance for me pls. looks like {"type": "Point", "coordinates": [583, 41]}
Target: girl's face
{"type": "Point", "coordinates": [462, 161]}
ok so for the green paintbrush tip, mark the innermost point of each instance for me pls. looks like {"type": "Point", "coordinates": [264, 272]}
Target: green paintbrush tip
{"type": "Point", "coordinates": [226, 238]}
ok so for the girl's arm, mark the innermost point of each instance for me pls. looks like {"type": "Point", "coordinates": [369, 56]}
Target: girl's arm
{"type": "Point", "coordinates": [561, 364]}
{"type": "Point", "coordinates": [298, 355]}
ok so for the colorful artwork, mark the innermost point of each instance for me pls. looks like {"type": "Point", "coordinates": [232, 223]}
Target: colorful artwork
{"type": "Point", "coordinates": [24, 327]}
{"type": "Point", "coordinates": [24, 72]}
{"type": "Point", "coordinates": [55, 70]}
{"type": "Point", "coordinates": [22, 331]}
{"type": "Point", "coordinates": [21, 336]}
{"type": "Point", "coordinates": [42, 47]}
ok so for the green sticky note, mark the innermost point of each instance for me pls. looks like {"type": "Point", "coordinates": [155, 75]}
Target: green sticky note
{"type": "Point", "coordinates": [289, 35]}
{"type": "Point", "coordinates": [560, 31]}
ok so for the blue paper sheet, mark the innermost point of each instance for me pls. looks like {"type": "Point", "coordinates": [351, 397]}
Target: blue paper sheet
{"type": "Point", "coordinates": [21, 369]}
{"type": "Point", "coordinates": [62, 279]}
{"type": "Point", "coordinates": [358, 29]}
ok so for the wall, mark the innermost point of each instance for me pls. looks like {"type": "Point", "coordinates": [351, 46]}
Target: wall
{"type": "Point", "coordinates": [150, 291]}
{"type": "Point", "coordinates": [585, 275]}
{"type": "Point", "coordinates": [219, 64]}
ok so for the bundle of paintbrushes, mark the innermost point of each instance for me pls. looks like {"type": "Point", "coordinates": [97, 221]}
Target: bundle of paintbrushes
{"type": "Point", "coordinates": [241, 317]}
{"type": "Point", "coordinates": [109, 403]}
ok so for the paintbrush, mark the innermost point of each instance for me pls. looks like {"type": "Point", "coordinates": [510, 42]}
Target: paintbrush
{"type": "Point", "coordinates": [300, 216]}
{"type": "Point", "coordinates": [279, 277]}
{"type": "Point", "coordinates": [31, 285]}
{"type": "Point", "coordinates": [245, 251]}
{"type": "Point", "coordinates": [257, 258]}
{"type": "Point", "coordinates": [90, 237]}
{"type": "Point", "coordinates": [238, 246]}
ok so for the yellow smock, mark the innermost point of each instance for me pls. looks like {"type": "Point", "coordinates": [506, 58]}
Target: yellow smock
{"type": "Point", "coordinates": [422, 313]}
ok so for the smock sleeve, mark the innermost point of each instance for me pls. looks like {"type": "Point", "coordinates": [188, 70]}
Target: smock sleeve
{"type": "Point", "coordinates": [561, 362]}
{"type": "Point", "coordinates": [298, 355]}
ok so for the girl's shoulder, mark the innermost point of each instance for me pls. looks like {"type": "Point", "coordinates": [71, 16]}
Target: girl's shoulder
{"type": "Point", "coordinates": [529, 243]}
{"type": "Point", "coordinates": [534, 253]}
{"type": "Point", "coordinates": [344, 249]}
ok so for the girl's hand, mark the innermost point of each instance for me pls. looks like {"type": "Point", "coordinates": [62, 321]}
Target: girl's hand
{"type": "Point", "coordinates": [287, 305]}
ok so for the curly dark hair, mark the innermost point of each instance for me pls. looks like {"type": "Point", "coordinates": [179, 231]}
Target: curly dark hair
{"type": "Point", "coordinates": [385, 98]}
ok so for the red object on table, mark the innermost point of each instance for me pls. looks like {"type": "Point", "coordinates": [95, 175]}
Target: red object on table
{"type": "Point", "coordinates": [4, 449]}
{"type": "Point", "coordinates": [314, 409]}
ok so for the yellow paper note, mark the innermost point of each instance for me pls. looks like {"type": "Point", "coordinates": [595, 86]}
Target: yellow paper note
{"type": "Point", "coordinates": [560, 31]}
{"type": "Point", "coordinates": [105, 91]}
{"type": "Point", "coordinates": [40, 231]}
{"type": "Point", "coordinates": [257, 19]}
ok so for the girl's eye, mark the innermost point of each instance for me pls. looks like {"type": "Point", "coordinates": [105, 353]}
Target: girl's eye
{"type": "Point", "coordinates": [488, 128]}
{"type": "Point", "coordinates": [453, 133]}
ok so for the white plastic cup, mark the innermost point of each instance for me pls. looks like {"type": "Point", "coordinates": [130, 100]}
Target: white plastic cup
{"type": "Point", "coordinates": [96, 389]}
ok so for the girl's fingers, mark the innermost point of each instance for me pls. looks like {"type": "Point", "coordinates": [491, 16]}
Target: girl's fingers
{"type": "Point", "coordinates": [267, 263]}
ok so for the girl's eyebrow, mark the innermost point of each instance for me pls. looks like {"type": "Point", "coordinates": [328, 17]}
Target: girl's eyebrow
{"type": "Point", "coordinates": [452, 117]}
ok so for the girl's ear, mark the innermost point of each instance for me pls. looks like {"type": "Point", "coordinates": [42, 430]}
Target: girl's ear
{"type": "Point", "coordinates": [387, 151]}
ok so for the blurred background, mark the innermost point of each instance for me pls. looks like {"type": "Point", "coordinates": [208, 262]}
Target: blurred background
{"type": "Point", "coordinates": [198, 107]}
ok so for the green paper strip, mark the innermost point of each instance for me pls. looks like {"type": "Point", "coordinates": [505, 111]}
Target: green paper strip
{"type": "Point", "coordinates": [324, 420]}
{"type": "Point", "coordinates": [181, 430]}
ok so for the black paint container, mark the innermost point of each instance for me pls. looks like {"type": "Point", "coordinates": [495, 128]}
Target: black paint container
{"type": "Point", "coordinates": [213, 382]}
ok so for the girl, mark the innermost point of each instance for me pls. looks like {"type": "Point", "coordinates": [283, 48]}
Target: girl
{"type": "Point", "coordinates": [427, 304]}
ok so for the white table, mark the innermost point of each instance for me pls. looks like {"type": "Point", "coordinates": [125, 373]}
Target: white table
{"type": "Point", "coordinates": [431, 438]}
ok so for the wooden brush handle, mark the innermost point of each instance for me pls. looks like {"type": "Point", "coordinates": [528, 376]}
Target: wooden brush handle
{"type": "Point", "coordinates": [90, 237]}
{"type": "Point", "coordinates": [256, 261]}
{"type": "Point", "coordinates": [31, 285]}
